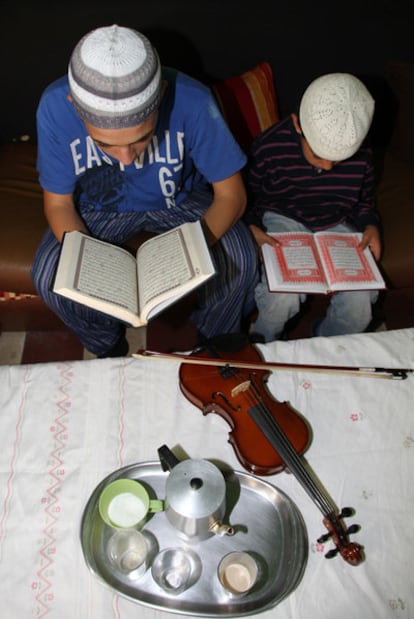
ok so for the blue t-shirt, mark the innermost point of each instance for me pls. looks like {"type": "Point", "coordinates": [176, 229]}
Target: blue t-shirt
{"type": "Point", "coordinates": [191, 148]}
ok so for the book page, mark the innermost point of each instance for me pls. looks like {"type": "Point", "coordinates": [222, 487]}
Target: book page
{"type": "Point", "coordinates": [344, 263]}
{"type": "Point", "coordinates": [298, 258]}
{"type": "Point", "coordinates": [163, 265]}
{"type": "Point", "coordinates": [103, 271]}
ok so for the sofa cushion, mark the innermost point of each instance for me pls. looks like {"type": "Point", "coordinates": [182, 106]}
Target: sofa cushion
{"type": "Point", "coordinates": [248, 103]}
{"type": "Point", "coordinates": [400, 76]}
{"type": "Point", "coordinates": [394, 201]}
{"type": "Point", "coordinates": [22, 223]}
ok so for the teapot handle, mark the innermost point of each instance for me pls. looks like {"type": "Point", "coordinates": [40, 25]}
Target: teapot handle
{"type": "Point", "coordinates": [167, 458]}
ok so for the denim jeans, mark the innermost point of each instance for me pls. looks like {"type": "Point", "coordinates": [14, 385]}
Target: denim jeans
{"type": "Point", "coordinates": [348, 312]}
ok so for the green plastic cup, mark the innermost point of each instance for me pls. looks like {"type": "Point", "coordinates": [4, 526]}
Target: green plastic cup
{"type": "Point", "coordinates": [125, 504]}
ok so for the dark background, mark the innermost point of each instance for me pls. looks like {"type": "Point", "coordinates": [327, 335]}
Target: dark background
{"type": "Point", "coordinates": [210, 40]}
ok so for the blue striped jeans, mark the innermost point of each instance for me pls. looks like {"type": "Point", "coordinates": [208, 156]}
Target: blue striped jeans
{"type": "Point", "coordinates": [222, 304]}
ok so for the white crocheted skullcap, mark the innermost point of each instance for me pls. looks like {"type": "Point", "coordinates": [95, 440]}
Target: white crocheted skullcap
{"type": "Point", "coordinates": [114, 78]}
{"type": "Point", "coordinates": [335, 115]}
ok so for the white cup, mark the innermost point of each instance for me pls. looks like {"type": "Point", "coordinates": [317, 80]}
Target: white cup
{"type": "Point", "coordinates": [238, 573]}
{"type": "Point", "coordinates": [127, 550]}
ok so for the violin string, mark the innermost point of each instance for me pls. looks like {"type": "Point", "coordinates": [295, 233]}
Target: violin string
{"type": "Point", "coordinates": [263, 417]}
{"type": "Point", "coordinates": [294, 463]}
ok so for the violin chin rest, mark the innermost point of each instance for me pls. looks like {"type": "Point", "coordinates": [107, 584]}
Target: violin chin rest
{"type": "Point", "coordinates": [226, 342]}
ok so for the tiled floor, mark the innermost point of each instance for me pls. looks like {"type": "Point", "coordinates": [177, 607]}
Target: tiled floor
{"type": "Point", "coordinates": [46, 346]}
{"type": "Point", "coordinates": [11, 347]}
{"type": "Point", "coordinates": [171, 331]}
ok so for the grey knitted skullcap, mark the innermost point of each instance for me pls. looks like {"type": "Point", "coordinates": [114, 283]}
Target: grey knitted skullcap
{"type": "Point", "coordinates": [335, 115]}
{"type": "Point", "coordinates": [114, 78]}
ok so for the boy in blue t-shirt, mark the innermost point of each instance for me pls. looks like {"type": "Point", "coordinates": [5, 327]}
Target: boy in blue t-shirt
{"type": "Point", "coordinates": [126, 145]}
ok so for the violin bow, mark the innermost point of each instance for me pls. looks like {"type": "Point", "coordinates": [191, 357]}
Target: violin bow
{"type": "Point", "coordinates": [367, 372]}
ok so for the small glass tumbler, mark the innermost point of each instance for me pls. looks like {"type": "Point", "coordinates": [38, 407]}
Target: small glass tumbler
{"type": "Point", "coordinates": [174, 570]}
{"type": "Point", "coordinates": [127, 550]}
{"type": "Point", "coordinates": [238, 573]}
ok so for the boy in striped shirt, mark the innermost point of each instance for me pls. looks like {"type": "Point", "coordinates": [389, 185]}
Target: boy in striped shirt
{"type": "Point", "coordinates": [313, 172]}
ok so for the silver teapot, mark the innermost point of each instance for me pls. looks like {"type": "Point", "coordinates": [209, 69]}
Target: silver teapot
{"type": "Point", "coordinates": [195, 497]}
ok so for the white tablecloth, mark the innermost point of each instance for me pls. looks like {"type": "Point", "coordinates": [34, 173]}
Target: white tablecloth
{"type": "Point", "coordinates": [66, 426]}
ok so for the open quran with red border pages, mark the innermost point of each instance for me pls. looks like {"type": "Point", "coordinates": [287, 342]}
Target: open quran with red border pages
{"type": "Point", "coordinates": [321, 262]}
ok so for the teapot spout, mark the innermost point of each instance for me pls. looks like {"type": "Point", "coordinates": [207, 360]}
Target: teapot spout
{"type": "Point", "coordinates": [218, 528]}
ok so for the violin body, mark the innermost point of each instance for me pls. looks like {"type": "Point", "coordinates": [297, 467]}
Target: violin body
{"type": "Point", "coordinates": [229, 393]}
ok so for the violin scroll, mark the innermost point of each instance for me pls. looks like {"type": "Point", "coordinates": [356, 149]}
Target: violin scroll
{"type": "Point", "coordinates": [351, 552]}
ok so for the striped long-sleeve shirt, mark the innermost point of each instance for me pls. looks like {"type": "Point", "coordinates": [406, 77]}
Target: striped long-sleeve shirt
{"type": "Point", "coordinates": [280, 179]}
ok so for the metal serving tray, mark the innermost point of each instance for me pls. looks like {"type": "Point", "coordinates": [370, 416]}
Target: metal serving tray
{"type": "Point", "coordinates": [267, 524]}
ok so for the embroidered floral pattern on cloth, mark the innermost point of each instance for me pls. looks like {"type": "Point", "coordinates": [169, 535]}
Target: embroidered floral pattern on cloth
{"type": "Point", "coordinates": [66, 426]}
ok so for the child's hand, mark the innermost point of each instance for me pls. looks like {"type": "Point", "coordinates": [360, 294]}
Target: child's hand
{"type": "Point", "coordinates": [261, 237]}
{"type": "Point", "coordinates": [371, 239]}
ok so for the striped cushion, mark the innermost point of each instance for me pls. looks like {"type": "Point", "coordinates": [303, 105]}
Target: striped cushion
{"type": "Point", "coordinates": [248, 103]}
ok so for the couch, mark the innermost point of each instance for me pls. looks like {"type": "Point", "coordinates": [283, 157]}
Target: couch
{"type": "Point", "coordinates": [249, 104]}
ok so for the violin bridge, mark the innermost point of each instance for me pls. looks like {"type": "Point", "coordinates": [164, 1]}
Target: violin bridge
{"type": "Point", "coordinates": [240, 388]}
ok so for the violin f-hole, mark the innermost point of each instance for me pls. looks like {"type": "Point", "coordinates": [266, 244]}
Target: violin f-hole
{"type": "Point", "coordinates": [220, 394]}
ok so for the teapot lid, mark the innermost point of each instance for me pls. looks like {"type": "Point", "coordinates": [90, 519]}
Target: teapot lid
{"type": "Point", "coordinates": [195, 488]}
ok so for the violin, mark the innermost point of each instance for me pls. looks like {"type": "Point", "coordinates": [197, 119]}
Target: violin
{"type": "Point", "coordinates": [266, 435]}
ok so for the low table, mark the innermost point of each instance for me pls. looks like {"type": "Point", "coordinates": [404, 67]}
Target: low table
{"type": "Point", "coordinates": [65, 426]}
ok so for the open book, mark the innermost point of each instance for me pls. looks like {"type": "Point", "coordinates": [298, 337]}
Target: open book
{"type": "Point", "coordinates": [133, 289]}
{"type": "Point", "coordinates": [320, 262]}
